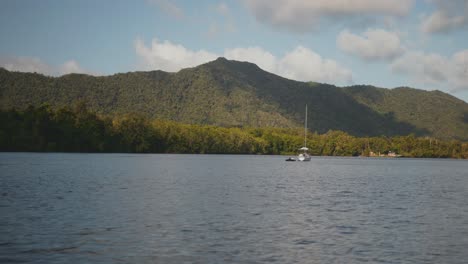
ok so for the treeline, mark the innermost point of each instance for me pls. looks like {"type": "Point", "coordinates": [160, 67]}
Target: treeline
{"type": "Point", "coordinates": [42, 129]}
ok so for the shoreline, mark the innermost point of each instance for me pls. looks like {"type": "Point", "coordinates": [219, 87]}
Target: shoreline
{"type": "Point", "coordinates": [226, 154]}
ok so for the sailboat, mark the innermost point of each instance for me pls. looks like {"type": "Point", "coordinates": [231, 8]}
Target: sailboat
{"type": "Point", "coordinates": [304, 156]}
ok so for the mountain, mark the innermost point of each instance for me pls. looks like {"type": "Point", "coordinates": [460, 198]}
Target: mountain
{"type": "Point", "coordinates": [233, 93]}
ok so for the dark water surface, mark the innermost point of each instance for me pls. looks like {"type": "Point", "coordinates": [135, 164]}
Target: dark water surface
{"type": "Point", "coordinates": [118, 208]}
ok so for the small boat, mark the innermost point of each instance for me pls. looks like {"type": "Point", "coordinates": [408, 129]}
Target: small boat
{"type": "Point", "coordinates": [290, 159]}
{"type": "Point", "coordinates": [304, 156]}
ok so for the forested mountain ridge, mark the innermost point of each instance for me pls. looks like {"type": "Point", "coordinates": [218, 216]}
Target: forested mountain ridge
{"type": "Point", "coordinates": [232, 93]}
{"type": "Point", "coordinates": [443, 115]}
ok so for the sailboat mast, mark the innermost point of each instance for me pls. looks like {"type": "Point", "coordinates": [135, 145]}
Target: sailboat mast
{"type": "Point", "coordinates": [305, 128]}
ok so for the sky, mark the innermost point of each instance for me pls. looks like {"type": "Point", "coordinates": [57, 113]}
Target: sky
{"type": "Point", "coordinates": [386, 43]}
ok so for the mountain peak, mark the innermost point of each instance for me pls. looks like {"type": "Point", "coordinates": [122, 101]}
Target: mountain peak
{"type": "Point", "coordinates": [224, 61]}
{"type": "Point", "coordinates": [221, 59]}
{"type": "Point", "coordinates": [234, 65]}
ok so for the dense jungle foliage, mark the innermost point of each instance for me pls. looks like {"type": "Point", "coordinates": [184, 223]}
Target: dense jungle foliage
{"type": "Point", "coordinates": [228, 93]}
{"type": "Point", "coordinates": [43, 129]}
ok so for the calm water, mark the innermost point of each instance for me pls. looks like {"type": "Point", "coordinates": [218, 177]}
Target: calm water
{"type": "Point", "coordinates": [117, 208]}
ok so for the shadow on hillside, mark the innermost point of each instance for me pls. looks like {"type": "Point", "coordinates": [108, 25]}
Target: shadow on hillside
{"type": "Point", "coordinates": [330, 108]}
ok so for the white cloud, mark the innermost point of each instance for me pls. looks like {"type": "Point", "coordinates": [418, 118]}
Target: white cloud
{"type": "Point", "coordinates": [299, 64]}
{"type": "Point", "coordinates": [257, 55]}
{"type": "Point", "coordinates": [167, 56]}
{"type": "Point", "coordinates": [33, 64]}
{"type": "Point", "coordinates": [71, 66]}
{"type": "Point", "coordinates": [305, 65]}
{"type": "Point", "coordinates": [375, 44]}
{"type": "Point", "coordinates": [449, 73]}
{"type": "Point", "coordinates": [299, 15]}
{"type": "Point", "coordinates": [168, 7]}
{"type": "Point", "coordinates": [442, 22]}
{"type": "Point", "coordinates": [25, 64]}
{"type": "Point", "coordinates": [460, 73]}
{"type": "Point", "coordinates": [449, 15]}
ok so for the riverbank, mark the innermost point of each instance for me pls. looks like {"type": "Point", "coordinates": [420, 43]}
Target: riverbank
{"type": "Point", "coordinates": [65, 130]}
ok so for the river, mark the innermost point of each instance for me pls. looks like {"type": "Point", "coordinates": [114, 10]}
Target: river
{"type": "Point", "coordinates": [145, 208]}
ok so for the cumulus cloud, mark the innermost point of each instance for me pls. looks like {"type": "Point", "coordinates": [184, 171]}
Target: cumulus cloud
{"type": "Point", "coordinates": [168, 7]}
{"type": "Point", "coordinates": [165, 55]}
{"type": "Point", "coordinates": [71, 66]}
{"type": "Point", "coordinates": [299, 15]}
{"type": "Point", "coordinates": [257, 55]}
{"type": "Point", "coordinates": [442, 22]}
{"type": "Point", "coordinates": [33, 64]}
{"type": "Point", "coordinates": [26, 64]}
{"type": "Point", "coordinates": [375, 44]}
{"type": "Point", "coordinates": [433, 69]}
{"type": "Point", "coordinates": [449, 15]}
{"type": "Point", "coordinates": [299, 64]}
{"type": "Point", "coordinates": [305, 65]}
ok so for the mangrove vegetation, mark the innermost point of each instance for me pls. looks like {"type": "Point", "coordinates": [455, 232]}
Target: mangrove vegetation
{"type": "Point", "coordinates": [77, 129]}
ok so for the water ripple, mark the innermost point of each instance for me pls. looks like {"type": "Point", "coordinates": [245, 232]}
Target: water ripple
{"type": "Point", "coordinates": [100, 208]}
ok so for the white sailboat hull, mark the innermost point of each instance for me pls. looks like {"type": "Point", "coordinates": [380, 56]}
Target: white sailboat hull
{"type": "Point", "coordinates": [303, 157]}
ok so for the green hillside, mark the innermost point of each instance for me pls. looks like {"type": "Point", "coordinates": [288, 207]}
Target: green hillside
{"type": "Point", "coordinates": [231, 93]}
{"type": "Point", "coordinates": [444, 116]}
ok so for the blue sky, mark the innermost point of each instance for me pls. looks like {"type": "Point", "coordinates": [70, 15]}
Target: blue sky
{"type": "Point", "coordinates": [387, 43]}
